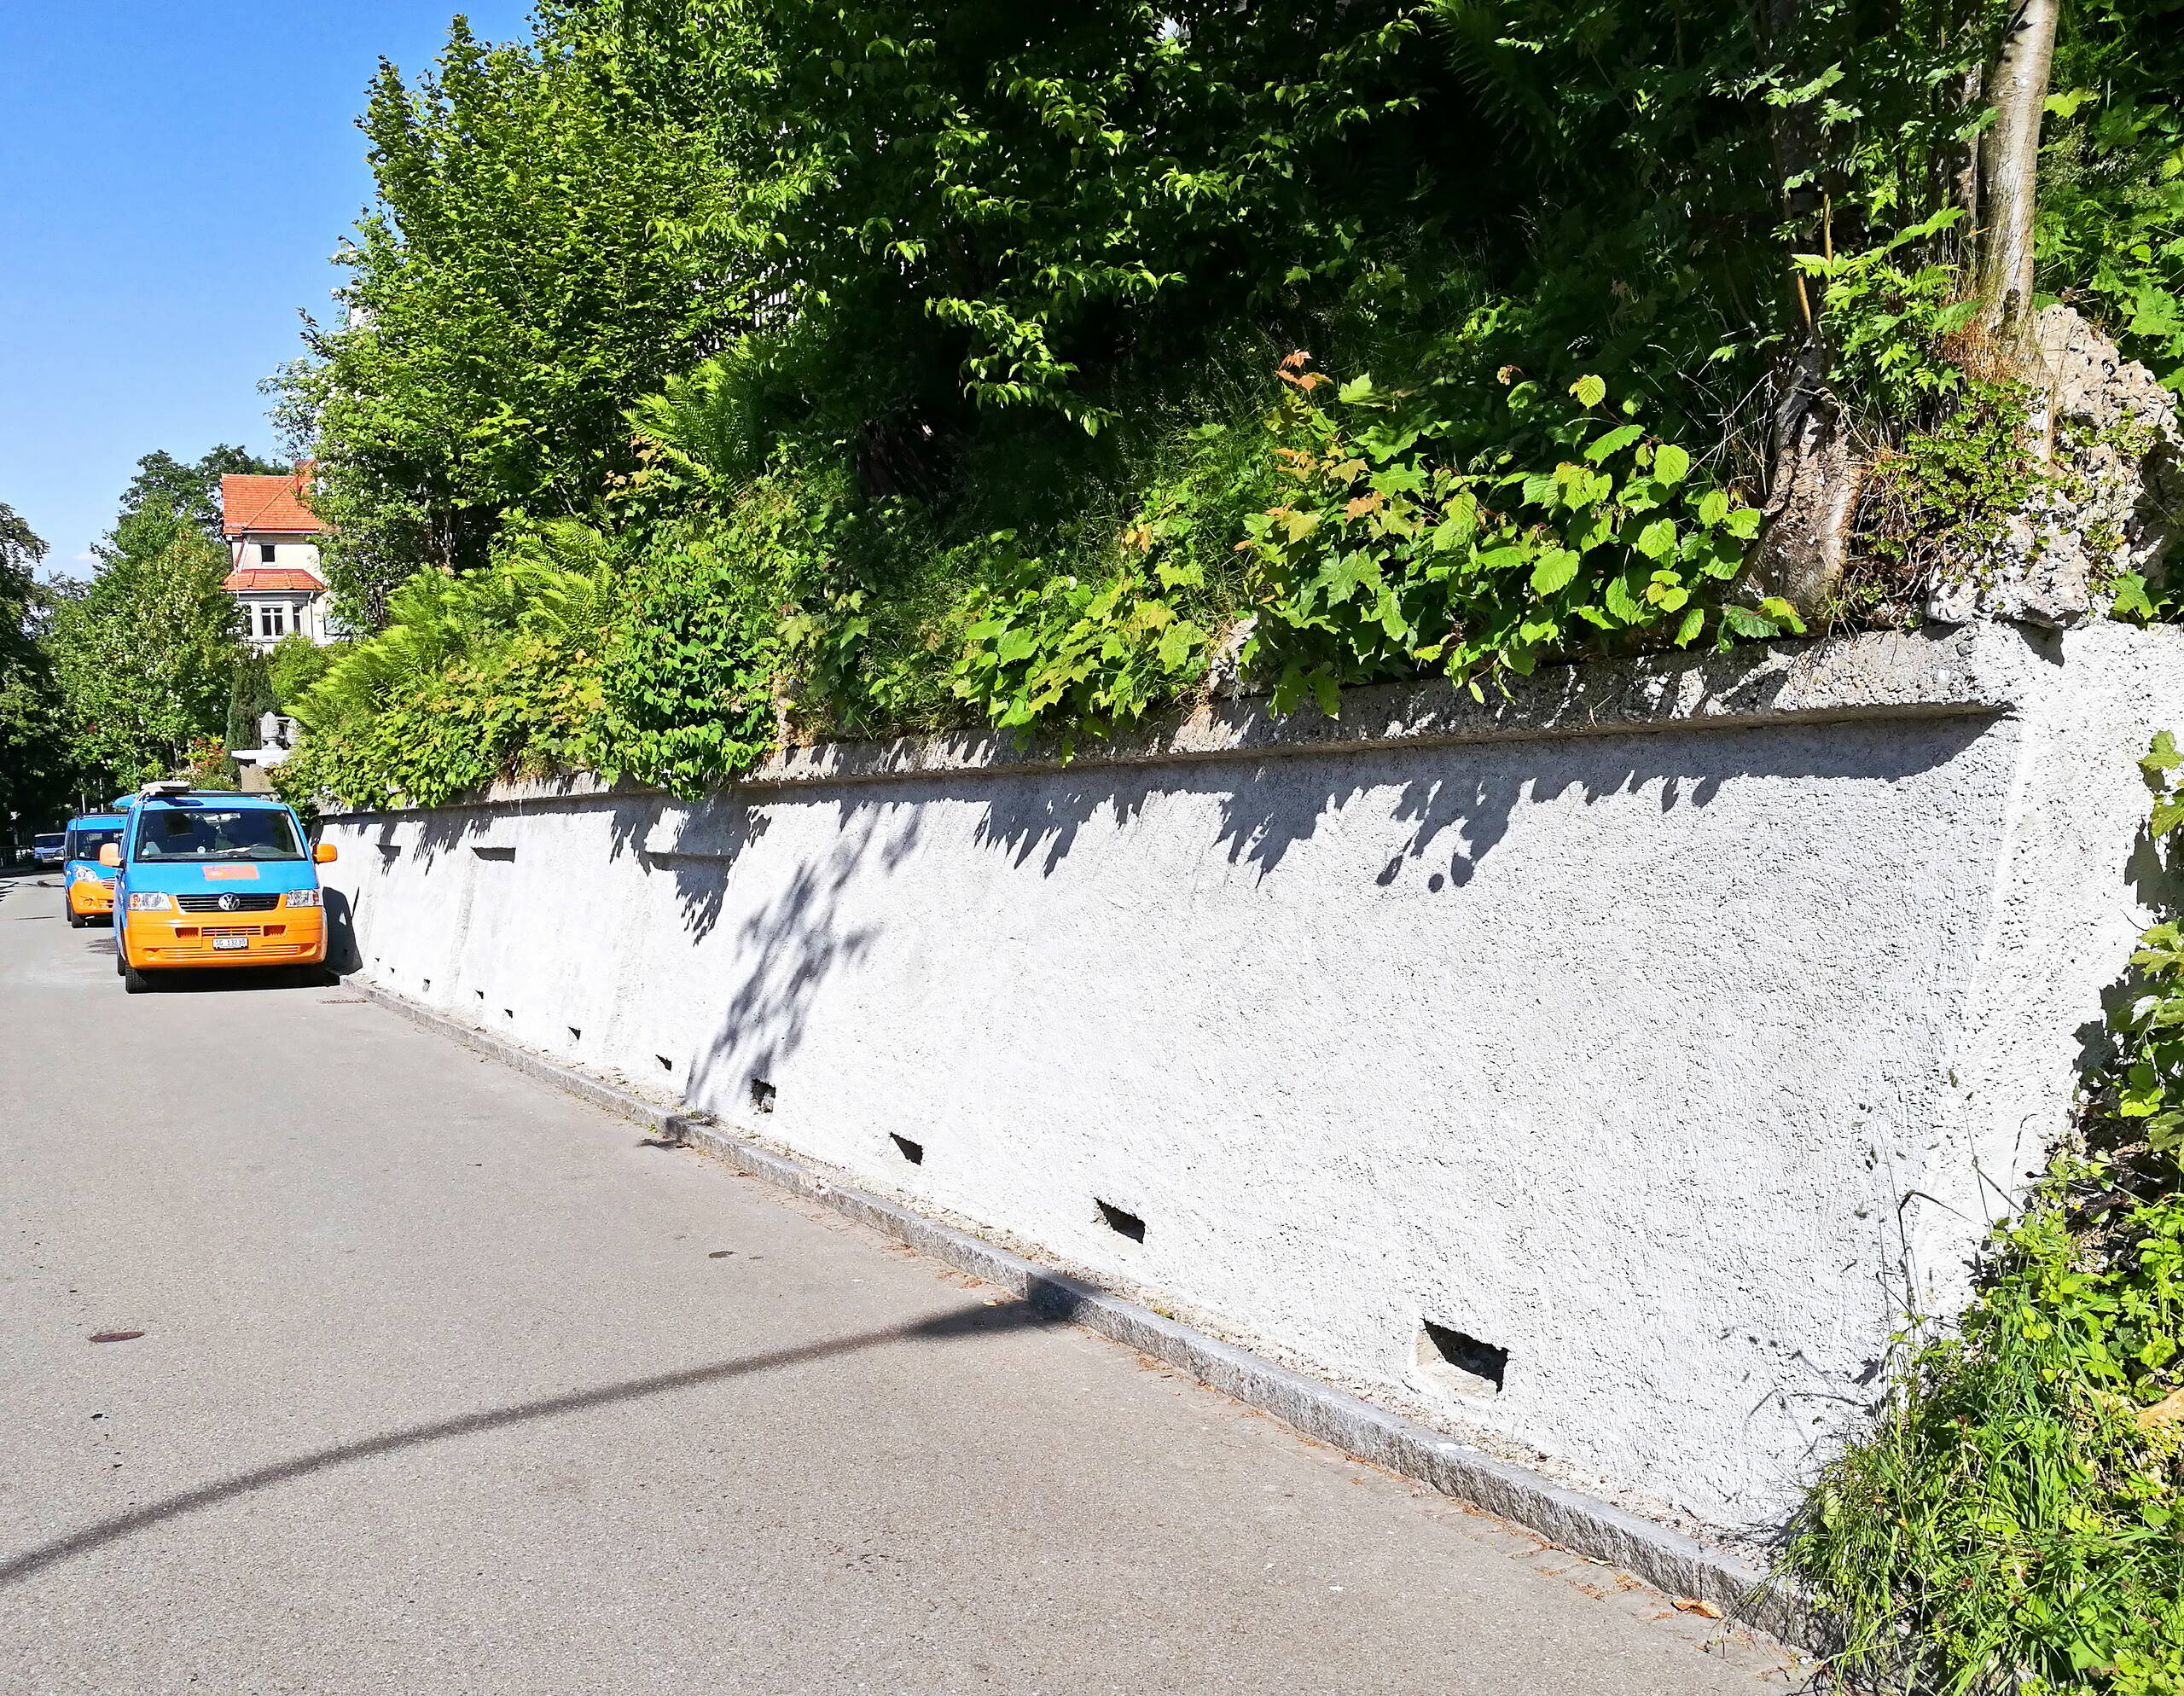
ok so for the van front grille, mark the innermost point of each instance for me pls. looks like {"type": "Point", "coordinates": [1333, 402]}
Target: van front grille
{"type": "Point", "coordinates": [244, 903]}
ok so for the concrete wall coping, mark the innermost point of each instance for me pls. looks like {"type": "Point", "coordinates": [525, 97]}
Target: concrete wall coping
{"type": "Point", "coordinates": [1989, 669]}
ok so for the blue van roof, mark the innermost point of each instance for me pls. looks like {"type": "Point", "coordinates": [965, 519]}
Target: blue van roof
{"type": "Point", "coordinates": [96, 820]}
{"type": "Point", "coordinates": [226, 798]}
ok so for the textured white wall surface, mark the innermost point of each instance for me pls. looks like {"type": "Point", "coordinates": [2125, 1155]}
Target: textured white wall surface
{"type": "Point", "coordinates": [1674, 1028]}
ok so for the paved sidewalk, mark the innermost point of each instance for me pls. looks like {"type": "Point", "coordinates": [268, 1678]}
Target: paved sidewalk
{"type": "Point", "coordinates": [451, 1384]}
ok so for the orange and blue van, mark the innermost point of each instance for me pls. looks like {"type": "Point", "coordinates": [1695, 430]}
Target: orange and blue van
{"type": "Point", "coordinates": [213, 878]}
{"type": "Point", "coordinates": [87, 886]}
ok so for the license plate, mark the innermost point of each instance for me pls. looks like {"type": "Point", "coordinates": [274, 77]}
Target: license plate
{"type": "Point", "coordinates": [231, 942]}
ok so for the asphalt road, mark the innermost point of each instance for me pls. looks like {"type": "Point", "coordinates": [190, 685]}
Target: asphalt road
{"type": "Point", "coordinates": [450, 1383]}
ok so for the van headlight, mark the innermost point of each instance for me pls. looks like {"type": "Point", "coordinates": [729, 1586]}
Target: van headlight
{"type": "Point", "coordinates": [151, 903]}
{"type": "Point", "coordinates": [301, 897]}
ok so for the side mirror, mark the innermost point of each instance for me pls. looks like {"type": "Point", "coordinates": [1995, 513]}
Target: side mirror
{"type": "Point", "coordinates": [325, 853]}
{"type": "Point", "coordinates": [110, 856]}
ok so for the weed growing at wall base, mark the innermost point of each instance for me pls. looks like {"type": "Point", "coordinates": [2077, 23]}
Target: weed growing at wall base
{"type": "Point", "coordinates": [2015, 1522]}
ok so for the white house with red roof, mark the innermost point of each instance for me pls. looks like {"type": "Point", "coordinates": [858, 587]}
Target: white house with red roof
{"type": "Point", "coordinates": [273, 536]}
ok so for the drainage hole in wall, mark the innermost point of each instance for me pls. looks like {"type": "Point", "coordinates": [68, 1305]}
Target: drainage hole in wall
{"type": "Point", "coordinates": [666, 1064]}
{"type": "Point", "coordinates": [480, 994]}
{"type": "Point", "coordinates": [1115, 1219]}
{"type": "Point", "coordinates": [508, 1013]}
{"type": "Point", "coordinates": [575, 1035]}
{"type": "Point", "coordinates": [762, 1096]}
{"type": "Point", "coordinates": [428, 983]}
{"type": "Point", "coordinates": [912, 1152]}
{"type": "Point", "coordinates": [1459, 1361]}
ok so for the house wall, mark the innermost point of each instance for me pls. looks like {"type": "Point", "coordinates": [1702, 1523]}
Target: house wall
{"type": "Point", "coordinates": [1675, 1027]}
{"type": "Point", "coordinates": [289, 553]}
{"type": "Point", "coordinates": [306, 612]}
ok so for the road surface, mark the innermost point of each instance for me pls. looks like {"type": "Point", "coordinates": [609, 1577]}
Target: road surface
{"type": "Point", "coordinates": [448, 1383]}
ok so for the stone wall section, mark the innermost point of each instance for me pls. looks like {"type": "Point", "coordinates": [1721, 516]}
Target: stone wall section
{"type": "Point", "coordinates": [1598, 1073]}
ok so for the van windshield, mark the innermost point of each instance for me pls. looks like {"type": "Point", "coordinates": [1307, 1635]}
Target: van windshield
{"type": "Point", "coordinates": [85, 844]}
{"type": "Point", "coordinates": [216, 833]}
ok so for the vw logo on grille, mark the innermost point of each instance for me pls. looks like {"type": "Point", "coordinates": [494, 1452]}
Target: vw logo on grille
{"type": "Point", "coordinates": [228, 904]}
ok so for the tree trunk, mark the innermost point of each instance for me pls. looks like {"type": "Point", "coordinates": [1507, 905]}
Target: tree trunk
{"type": "Point", "coordinates": [1813, 495]}
{"type": "Point", "coordinates": [2009, 171]}
{"type": "Point", "coordinates": [1813, 486]}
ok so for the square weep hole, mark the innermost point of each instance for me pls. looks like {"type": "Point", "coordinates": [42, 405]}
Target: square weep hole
{"type": "Point", "coordinates": [1458, 1362]}
{"type": "Point", "coordinates": [1122, 1223]}
{"type": "Point", "coordinates": [762, 1096]}
{"type": "Point", "coordinates": [912, 1152]}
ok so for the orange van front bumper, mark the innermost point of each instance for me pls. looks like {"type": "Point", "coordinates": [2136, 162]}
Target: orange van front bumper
{"type": "Point", "coordinates": [287, 935]}
{"type": "Point", "coordinates": [88, 896]}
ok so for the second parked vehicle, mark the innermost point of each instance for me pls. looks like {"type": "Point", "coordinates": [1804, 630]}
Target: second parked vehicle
{"type": "Point", "coordinates": [87, 886]}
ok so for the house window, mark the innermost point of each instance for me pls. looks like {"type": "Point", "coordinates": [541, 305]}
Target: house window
{"type": "Point", "coordinates": [265, 552]}
{"type": "Point", "coordinates": [272, 619]}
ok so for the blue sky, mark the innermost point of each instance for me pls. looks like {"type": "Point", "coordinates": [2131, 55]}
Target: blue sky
{"type": "Point", "coordinates": [172, 179]}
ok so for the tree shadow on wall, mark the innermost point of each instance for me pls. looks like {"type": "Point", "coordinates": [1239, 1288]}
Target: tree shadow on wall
{"type": "Point", "coordinates": [794, 943]}
{"type": "Point", "coordinates": [699, 849]}
{"type": "Point", "coordinates": [1460, 800]}
{"type": "Point", "coordinates": [443, 831]}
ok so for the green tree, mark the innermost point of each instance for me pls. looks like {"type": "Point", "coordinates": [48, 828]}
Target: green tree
{"type": "Point", "coordinates": [34, 764]}
{"type": "Point", "coordinates": [295, 664]}
{"type": "Point", "coordinates": [249, 698]}
{"type": "Point", "coordinates": [875, 341]}
{"type": "Point", "coordinates": [187, 491]}
{"type": "Point", "coordinates": [551, 243]}
{"type": "Point", "coordinates": [145, 653]}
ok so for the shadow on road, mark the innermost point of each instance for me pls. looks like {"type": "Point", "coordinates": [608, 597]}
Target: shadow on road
{"type": "Point", "coordinates": [974, 1322]}
{"type": "Point", "coordinates": [237, 979]}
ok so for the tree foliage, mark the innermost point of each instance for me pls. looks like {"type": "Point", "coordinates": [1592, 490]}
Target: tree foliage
{"type": "Point", "coordinates": [293, 665]}
{"type": "Point", "coordinates": [34, 764]}
{"type": "Point", "coordinates": [144, 654]}
{"type": "Point", "coordinates": [250, 698]}
{"type": "Point", "coordinates": [539, 259]}
{"type": "Point", "coordinates": [185, 492]}
{"type": "Point", "coordinates": [906, 361]}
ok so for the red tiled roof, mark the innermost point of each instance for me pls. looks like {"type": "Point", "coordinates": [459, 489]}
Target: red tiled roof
{"type": "Point", "coordinates": [267, 503]}
{"type": "Point", "coordinates": [251, 577]}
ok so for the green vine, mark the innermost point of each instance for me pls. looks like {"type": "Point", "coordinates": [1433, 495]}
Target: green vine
{"type": "Point", "coordinates": [1408, 541]}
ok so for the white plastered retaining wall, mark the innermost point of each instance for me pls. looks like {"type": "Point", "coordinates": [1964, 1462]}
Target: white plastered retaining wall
{"type": "Point", "coordinates": [1674, 1026]}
